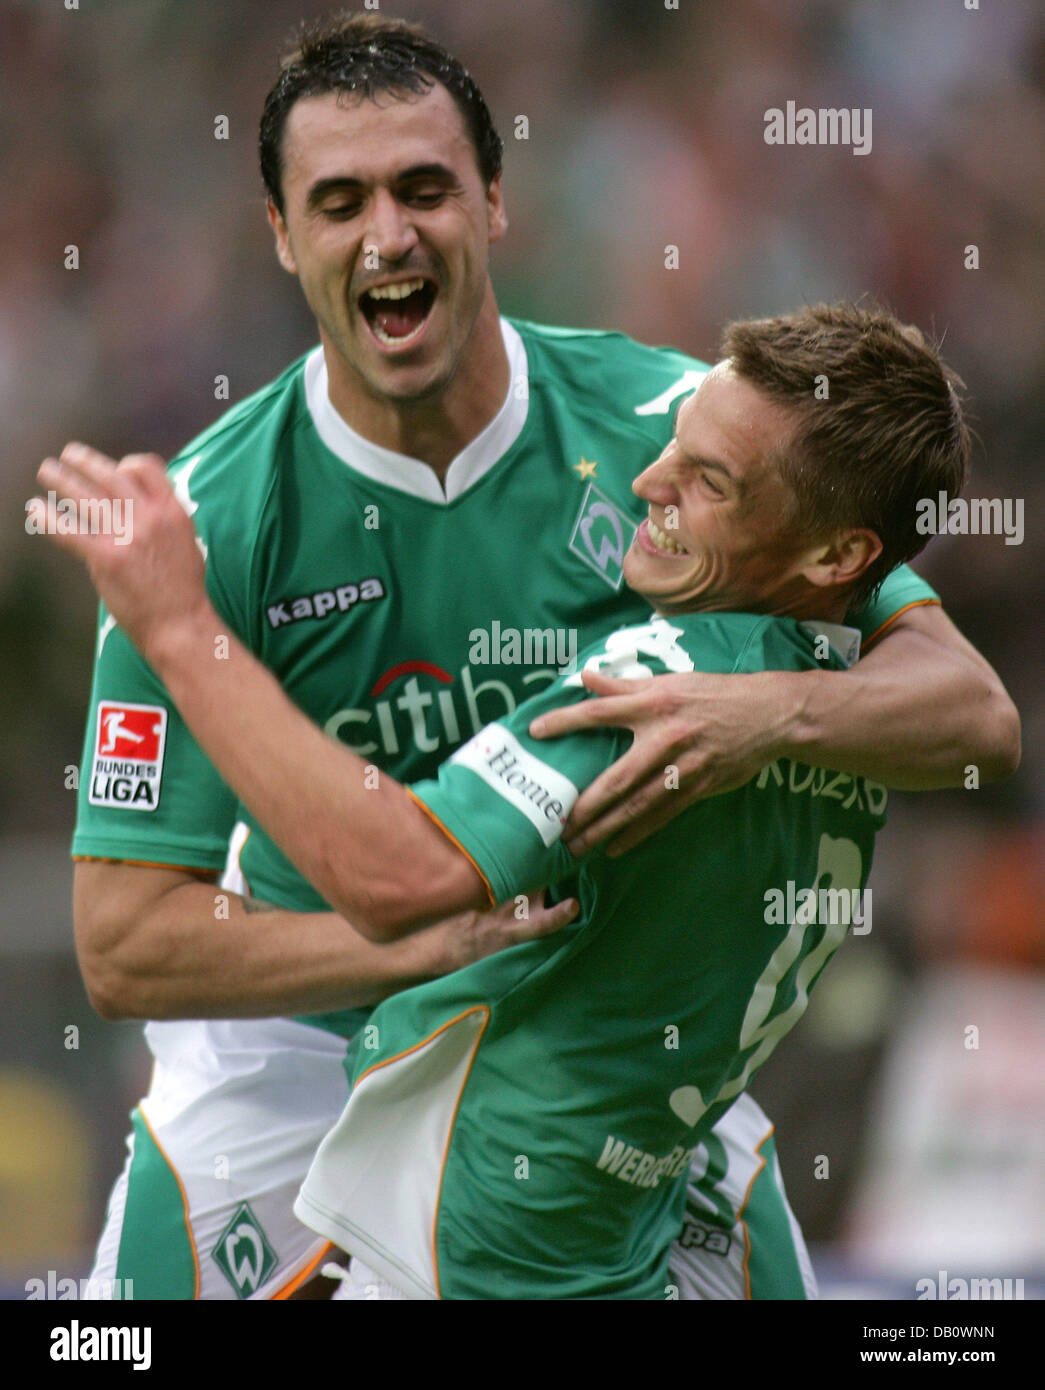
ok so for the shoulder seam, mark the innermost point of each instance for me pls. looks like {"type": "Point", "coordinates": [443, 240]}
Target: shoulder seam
{"type": "Point", "coordinates": [217, 430]}
{"type": "Point", "coordinates": [756, 631]}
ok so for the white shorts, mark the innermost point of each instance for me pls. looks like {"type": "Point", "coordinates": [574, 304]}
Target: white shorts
{"type": "Point", "coordinates": [226, 1135]}
{"type": "Point", "coordinates": [218, 1150]}
{"type": "Point", "coordinates": [739, 1237]}
{"type": "Point", "coordinates": [761, 1253]}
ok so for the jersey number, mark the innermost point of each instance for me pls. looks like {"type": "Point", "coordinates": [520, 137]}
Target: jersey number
{"type": "Point", "coordinates": [839, 865]}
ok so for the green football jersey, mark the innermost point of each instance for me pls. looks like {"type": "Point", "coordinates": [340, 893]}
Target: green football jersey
{"type": "Point", "coordinates": [524, 1127]}
{"type": "Point", "coordinates": [400, 615]}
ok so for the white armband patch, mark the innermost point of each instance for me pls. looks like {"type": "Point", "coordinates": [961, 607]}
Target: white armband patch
{"type": "Point", "coordinates": [543, 795]}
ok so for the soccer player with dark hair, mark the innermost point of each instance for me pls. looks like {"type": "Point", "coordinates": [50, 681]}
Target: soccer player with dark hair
{"type": "Point", "coordinates": [430, 471]}
{"type": "Point", "coordinates": [600, 1058]}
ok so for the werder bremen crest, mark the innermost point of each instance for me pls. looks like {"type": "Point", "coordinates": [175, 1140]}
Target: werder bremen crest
{"type": "Point", "coordinates": [243, 1253]}
{"type": "Point", "coordinates": [601, 534]}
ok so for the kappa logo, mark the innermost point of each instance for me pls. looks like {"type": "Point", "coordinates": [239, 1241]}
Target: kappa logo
{"type": "Point", "coordinates": [324, 601]}
{"type": "Point", "coordinates": [698, 1236]}
{"type": "Point", "coordinates": [601, 534]}
{"type": "Point", "coordinates": [243, 1253]}
{"type": "Point", "coordinates": [127, 764]}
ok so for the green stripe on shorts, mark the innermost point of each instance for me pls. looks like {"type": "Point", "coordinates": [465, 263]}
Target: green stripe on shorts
{"type": "Point", "coordinates": [773, 1266]}
{"type": "Point", "coordinates": [155, 1246]}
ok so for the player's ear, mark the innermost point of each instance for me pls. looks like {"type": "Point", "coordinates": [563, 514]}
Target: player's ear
{"type": "Point", "coordinates": [496, 214]}
{"type": "Point", "coordinates": [843, 559]}
{"type": "Point", "coordinates": [279, 228]}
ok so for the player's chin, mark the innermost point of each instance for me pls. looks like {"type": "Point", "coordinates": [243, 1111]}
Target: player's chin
{"type": "Point", "coordinates": [420, 379]}
{"type": "Point", "coordinates": [668, 587]}
{"type": "Point", "coordinates": [660, 570]}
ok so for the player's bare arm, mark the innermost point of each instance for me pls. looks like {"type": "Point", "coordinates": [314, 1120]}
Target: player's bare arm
{"type": "Point", "coordinates": [370, 850]}
{"type": "Point", "coordinates": [156, 942]}
{"type": "Point", "coordinates": [915, 713]}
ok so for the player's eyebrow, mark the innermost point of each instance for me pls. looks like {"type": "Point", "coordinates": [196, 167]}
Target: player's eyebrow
{"type": "Point", "coordinates": [427, 171]}
{"type": "Point", "coordinates": [344, 183]}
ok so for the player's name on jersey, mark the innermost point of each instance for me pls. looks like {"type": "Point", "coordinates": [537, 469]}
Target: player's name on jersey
{"type": "Point", "coordinates": [858, 792]}
{"type": "Point", "coordinates": [324, 601]}
{"type": "Point", "coordinates": [529, 646]}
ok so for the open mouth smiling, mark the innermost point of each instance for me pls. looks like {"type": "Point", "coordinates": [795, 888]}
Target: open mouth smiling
{"type": "Point", "coordinates": [396, 314]}
{"type": "Point", "coordinates": [661, 540]}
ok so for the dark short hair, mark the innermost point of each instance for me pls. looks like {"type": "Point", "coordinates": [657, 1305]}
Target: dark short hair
{"type": "Point", "coordinates": [367, 54]}
{"type": "Point", "coordinates": [879, 422]}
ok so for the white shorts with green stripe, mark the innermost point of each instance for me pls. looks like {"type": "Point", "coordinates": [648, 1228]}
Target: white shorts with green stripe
{"type": "Point", "coordinates": [221, 1144]}
{"type": "Point", "coordinates": [741, 1242]}
{"type": "Point", "coordinates": [217, 1152]}
{"type": "Point", "coordinates": [740, 1239]}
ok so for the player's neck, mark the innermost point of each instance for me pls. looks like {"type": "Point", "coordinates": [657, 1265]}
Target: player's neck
{"type": "Point", "coordinates": [819, 606]}
{"type": "Point", "coordinates": [824, 607]}
{"type": "Point", "coordinates": [434, 430]}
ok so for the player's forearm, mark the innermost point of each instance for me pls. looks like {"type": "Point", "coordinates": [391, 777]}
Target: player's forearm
{"type": "Point", "coordinates": [201, 952]}
{"type": "Point", "coordinates": [916, 713]}
{"type": "Point", "coordinates": [353, 833]}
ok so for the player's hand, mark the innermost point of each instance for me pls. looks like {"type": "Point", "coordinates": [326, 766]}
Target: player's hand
{"type": "Point", "coordinates": [696, 735]}
{"type": "Point", "coordinates": [143, 558]}
{"type": "Point", "coordinates": [472, 935]}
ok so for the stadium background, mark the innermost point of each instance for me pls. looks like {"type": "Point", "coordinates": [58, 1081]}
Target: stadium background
{"type": "Point", "coordinates": [645, 130]}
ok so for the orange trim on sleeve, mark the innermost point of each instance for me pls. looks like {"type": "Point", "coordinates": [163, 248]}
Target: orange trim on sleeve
{"type": "Point", "coordinates": [141, 863]}
{"type": "Point", "coordinates": [455, 842]}
{"type": "Point", "coordinates": [294, 1284]}
{"type": "Point", "coordinates": [184, 1200]}
{"type": "Point", "coordinates": [918, 603]}
{"type": "Point", "coordinates": [743, 1207]}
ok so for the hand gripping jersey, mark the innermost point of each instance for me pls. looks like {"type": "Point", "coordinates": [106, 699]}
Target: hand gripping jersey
{"type": "Point", "coordinates": [400, 616]}
{"type": "Point", "coordinates": [525, 1127]}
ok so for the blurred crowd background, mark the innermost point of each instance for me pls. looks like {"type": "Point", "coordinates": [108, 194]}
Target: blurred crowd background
{"type": "Point", "coordinates": [645, 130]}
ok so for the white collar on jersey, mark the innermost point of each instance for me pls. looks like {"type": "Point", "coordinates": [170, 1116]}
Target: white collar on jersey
{"type": "Point", "coordinates": [408, 474]}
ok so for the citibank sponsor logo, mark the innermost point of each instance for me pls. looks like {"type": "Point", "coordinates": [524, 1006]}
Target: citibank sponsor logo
{"type": "Point", "coordinates": [420, 707]}
{"type": "Point", "coordinates": [324, 602]}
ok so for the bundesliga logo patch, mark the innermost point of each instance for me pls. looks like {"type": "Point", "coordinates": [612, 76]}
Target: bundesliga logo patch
{"type": "Point", "coordinates": [127, 765]}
